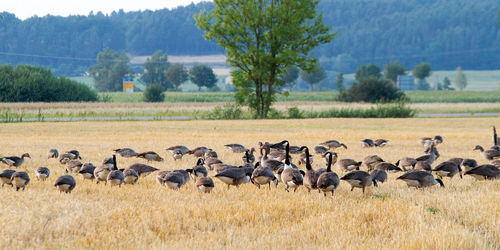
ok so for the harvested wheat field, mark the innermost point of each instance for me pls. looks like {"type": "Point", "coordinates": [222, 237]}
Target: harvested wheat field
{"type": "Point", "coordinates": [464, 214]}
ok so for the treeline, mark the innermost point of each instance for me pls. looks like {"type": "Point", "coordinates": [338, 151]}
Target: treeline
{"type": "Point", "coordinates": [444, 33]}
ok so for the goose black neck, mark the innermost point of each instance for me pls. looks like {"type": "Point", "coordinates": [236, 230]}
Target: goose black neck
{"type": "Point", "coordinates": [330, 159]}
{"type": "Point", "coordinates": [308, 163]}
{"type": "Point", "coordinates": [287, 154]}
{"type": "Point", "coordinates": [114, 163]}
{"type": "Point", "coordinates": [246, 156]}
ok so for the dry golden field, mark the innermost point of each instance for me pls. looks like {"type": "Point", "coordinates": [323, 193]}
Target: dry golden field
{"type": "Point", "coordinates": [463, 215]}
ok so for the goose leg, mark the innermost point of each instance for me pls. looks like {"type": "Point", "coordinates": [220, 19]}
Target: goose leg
{"type": "Point", "coordinates": [352, 188]}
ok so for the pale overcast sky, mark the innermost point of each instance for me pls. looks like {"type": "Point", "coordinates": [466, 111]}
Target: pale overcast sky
{"type": "Point", "coordinates": [27, 8]}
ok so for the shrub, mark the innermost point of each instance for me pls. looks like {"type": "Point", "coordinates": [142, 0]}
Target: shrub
{"type": "Point", "coordinates": [372, 90]}
{"type": "Point", "coordinates": [227, 112]}
{"type": "Point", "coordinates": [154, 93]}
{"type": "Point", "coordinates": [295, 113]}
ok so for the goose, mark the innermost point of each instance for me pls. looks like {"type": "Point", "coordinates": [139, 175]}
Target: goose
{"type": "Point", "coordinates": [74, 154]}
{"type": "Point", "coordinates": [367, 143]}
{"type": "Point", "coordinates": [431, 155]}
{"type": "Point", "coordinates": [488, 154]}
{"type": "Point", "coordinates": [87, 171]}
{"type": "Point", "coordinates": [198, 152]}
{"type": "Point", "coordinates": [233, 176]}
{"type": "Point", "coordinates": [210, 153]}
{"type": "Point", "coordinates": [204, 184]}
{"type": "Point", "coordinates": [328, 181]}
{"type": "Point", "coordinates": [447, 169]}
{"type": "Point", "coordinates": [496, 140]}
{"type": "Point", "coordinates": [263, 175]}
{"type": "Point", "coordinates": [333, 144]}
{"type": "Point", "coordinates": [221, 166]}
{"type": "Point", "coordinates": [101, 173]}
{"type": "Point", "coordinates": [5, 176]}
{"type": "Point", "coordinates": [406, 163]}
{"type": "Point", "coordinates": [387, 166]}
{"type": "Point", "coordinates": [199, 170]}
{"type": "Point", "coordinates": [484, 172]}
{"type": "Point", "coordinates": [116, 176]}
{"type": "Point", "coordinates": [142, 169]}
{"type": "Point", "coordinates": [130, 176]}
{"type": "Point", "coordinates": [327, 159]}
{"type": "Point", "coordinates": [309, 180]}
{"type": "Point", "coordinates": [177, 155]}
{"type": "Point", "coordinates": [303, 156]}
{"type": "Point", "coordinates": [73, 166]}
{"type": "Point", "coordinates": [423, 165]}
{"type": "Point", "coordinates": [371, 161]}
{"type": "Point", "coordinates": [185, 175]}
{"type": "Point", "coordinates": [456, 160]}
{"type": "Point", "coordinates": [150, 156]}
{"type": "Point", "coordinates": [246, 162]}
{"type": "Point", "coordinates": [65, 183]}
{"type": "Point", "coordinates": [280, 171]}
{"type": "Point", "coordinates": [65, 158]}
{"type": "Point", "coordinates": [381, 143]}
{"type": "Point", "coordinates": [249, 154]}
{"type": "Point", "coordinates": [468, 164]}
{"type": "Point", "coordinates": [42, 173]}
{"type": "Point", "coordinates": [291, 177]}
{"type": "Point", "coordinates": [348, 164]}
{"type": "Point", "coordinates": [295, 150]}
{"type": "Point", "coordinates": [420, 179]}
{"type": "Point", "coordinates": [211, 162]}
{"type": "Point", "coordinates": [14, 161]}
{"type": "Point", "coordinates": [171, 179]}
{"type": "Point", "coordinates": [126, 152]}
{"type": "Point", "coordinates": [379, 175]}
{"type": "Point", "coordinates": [236, 148]}
{"type": "Point", "coordinates": [184, 150]}
{"type": "Point", "coordinates": [53, 153]}
{"type": "Point", "coordinates": [427, 141]}
{"type": "Point", "coordinates": [267, 162]}
{"type": "Point", "coordinates": [359, 179]}
{"type": "Point", "coordinates": [320, 150]}
{"type": "Point", "coordinates": [20, 180]}
{"type": "Point", "coordinates": [108, 162]}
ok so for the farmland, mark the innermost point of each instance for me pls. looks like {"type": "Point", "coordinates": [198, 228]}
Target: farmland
{"type": "Point", "coordinates": [462, 215]}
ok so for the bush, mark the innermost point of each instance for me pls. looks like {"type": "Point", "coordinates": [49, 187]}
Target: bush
{"type": "Point", "coordinates": [372, 90]}
{"type": "Point", "coordinates": [26, 83]}
{"type": "Point", "coordinates": [227, 112]}
{"type": "Point", "coordinates": [295, 113]}
{"type": "Point", "coordinates": [154, 93]}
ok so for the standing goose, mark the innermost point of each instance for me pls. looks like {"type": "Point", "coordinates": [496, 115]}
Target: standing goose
{"type": "Point", "coordinates": [14, 161]}
{"type": "Point", "coordinates": [87, 171]}
{"type": "Point", "coordinates": [484, 172]}
{"type": "Point", "coordinates": [249, 156]}
{"type": "Point", "coordinates": [327, 159]}
{"type": "Point", "coordinates": [333, 144]}
{"type": "Point", "coordinates": [387, 166]}
{"type": "Point", "coordinates": [371, 161]}
{"type": "Point", "coordinates": [150, 156]}
{"type": "Point", "coordinates": [204, 184]}
{"type": "Point", "coordinates": [420, 179]}
{"type": "Point", "coordinates": [367, 143]}
{"type": "Point", "coordinates": [199, 170]}
{"type": "Point", "coordinates": [291, 177]}
{"type": "Point", "coordinates": [423, 165]}
{"type": "Point", "coordinates": [267, 162]}
{"type": "Point", "coordinates": [53, 153]}
{"type": "Point", "coordinates": [184, 150]}
{"type": "Point", "coordinates": [130, 176]}
{"type": "Point", "coordinates": [73, 166]}
{"type": "Point", "coordinates": [115, 177]}
{"type": "Point", "coordinates": [65, 183]}
{"type": "Point", "coordinates": [20, 180]}
{"type": "Point", "coordinates": [359, 179]}
{"type": "Point", "coordinates": [236, 148]}
{"type": "Point", "coordinates": [489, 154]}
{"type": "Point", "coordinates": [198, 152]}
{"type": "Point", "coordinates": [42, 173]}
{"type": "Point", "coordinates": [381, 143]}
{"type": "Point", "coordinates": [431, 155]}
{"type": "Point", "coordinates": [468, 164]}
{"type": "Point", "coordinates": [309, 179]}
{"type": "Point", "coordinates": [263, 175]}
{"type": "Point", "coordinates": [142, 169]}
{"type": "Point", "coordinates": [328, 181]}
{"type": "Point", "coordinates": [233, 176]}
{"type": "Point", "coordinates": [348, 164]}
{"type": "Point", "coordinates": [5, 176]}
{"type": "Point", "coordinates": [379, 175]}
{"type": "Point", "coordinates": [126, 152]}
{"type": "Point", "coordinates": [406, 163]}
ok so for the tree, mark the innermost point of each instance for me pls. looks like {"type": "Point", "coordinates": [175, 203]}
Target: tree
{"type": "Point", "coordinates": [290, 76]}
{"type": "Point", "coordinates": [203, 76]}
{"type": "Point", "coordinates": [155, 68]}
{"type": "Point", "coordinates": [422, 71]}
{"type": "Point", "coordinates": [422, 84]}
{"type": "Point", "coordinates": [370, 70]}
{"type": "Point", "coordinates": [261, 39]}
{"type": "Point", "coordinates": [372, 89]}
{"type": "Point", "coordinates": [110, 70]}
{"type": "Point", "coordinates": [340, 82]}
{"type": "Point", "coordinates": [447, 84]}
{"type": "Point", "coordinates": [176, 74]}
{"type": "Point", "coordinates": [313, 77]}
{"type": "Point", "coordinates": [154, 93]}
{"type": "Point", "coordinates": [392, 70]}
{"type": "Point", "coordinates": [460, 81]}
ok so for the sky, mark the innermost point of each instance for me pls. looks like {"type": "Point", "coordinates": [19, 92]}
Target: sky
{"type": "Point", "coordinates": [27, 8]}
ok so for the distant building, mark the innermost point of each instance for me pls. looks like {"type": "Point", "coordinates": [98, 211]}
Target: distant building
{"type": "Point", "coordinates": [406, 82]}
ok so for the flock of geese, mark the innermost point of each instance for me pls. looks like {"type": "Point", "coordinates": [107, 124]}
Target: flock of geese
{"type": "Point", "coordinates": [274, 165]}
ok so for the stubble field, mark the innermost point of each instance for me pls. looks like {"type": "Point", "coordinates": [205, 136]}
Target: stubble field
{"type": "Point", "coordinates": [463, 215]}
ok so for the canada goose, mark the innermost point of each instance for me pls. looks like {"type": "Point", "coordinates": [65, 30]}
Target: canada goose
{"type": "Point", "coordinates": [371, 161]}
{"type": "Point", "coordinates": [263, 175]}
{"type": "Point", "coordinates": [379, 175]}
{"type": "Point", "coordinates": [210, 162]}
{"type": "Point", "coordinates": [348, 164]}
{"type": "Point", "coordinates": [101, 173]}
{"type": "Point", "coordinates": [204, 184]}
{"type": "Point", "coordinates": [65, 158]}
{"type": "Point", "coordinates": [367, 143]}
{"type": "Point", "coordinates": [171, 179]}
{"type": "Point", "coordinates": [65, 183]}
{"type": "Point", "coordinates": [423, 165]}
{"type": "Point", "coordinates": [5, 176]}
{"type": "Point", "coordinates": [267, 162]}
{"type": "Point", "coordinates": [221, 166]}
{"type": "Point", "coordinates": [14, 161]}
{"type": "Point", "coordinates": [87, 171]}
{"type": "Point", "coordinates": [280, 170]}
{"type": "Point", "coordinates": [53, 153]}
{"type": "Point", "coordinates": [150, 156]}
{"type": "Point", "coordinates": [199, 170]}
{"type": "Point", "coordinates": [359, 179]}
{"type": "Point", "coordinates": [210, 153]}
{"type": "Point", "coordinates": [185, 175]}
{"type": "Point", "coordinates": [420, 179]}
{"type": "Point", "coordinates": [318, 172]}
{"type": "Point", "coordinates": [303, 156]}
{"type": "Point", "coordinates": [387, 166]}
{"type": "Point", "coordinates": [468, 164]}
{"type": "Point", "coordinates": [431, 155]}
{"type": "Point", "coordinates": [177, 155]}
{"type": "Point", "coordinates": [236, 148]}
{"type": "Point", "coordinates": [108, 162]}
{"type": "Point", "coordinates": [233, 176]}
{"type": "Point", "coordinates": [184, 150]}
{"type": "Point", "coordinates": [42, 173]}
{"type": "Point", "coordinates": [381, 143]}
{"type": "Point", "coordinates": [20, 180]}
{"type": "Point", "coordinates": [447, 169]}
{"type": "Point", "coordinates": [115, 177]}
{"type": "Point", "coordinates": [333, 144]}
{"type": "Point", "coordinates": [142, 169]}
{"type": "Point", "coordinates": [309, 180]}
{"type": "Point", "coordinates": [484, 172]}
{"type": "Point", "coordinates": [320, 150]}
{"type": "Point", "coordinates": [328, 181]}
{"type": "Point", "coordinates": [291, 177]}
{"type": "Point", "coordinates": [406, 163]}
{"type": "Point", "coordinates": [198, 152]}
{"type": "Point", "coordinates": [74, 154]}
{"type": "Point", "coordinates": [73, 166]}
{"type": "Point", "coordinates": [488, 154]}
{"type": "Point", "coordinates": [427, 141]}
{"type": "Point", "coordinates": [130, 176]}
{"type": "Point", "coordinates": [126, 152]}
{"type": "Point", "coordinates": [456, 160]}
{"type": "Point", "coordinates": [249, 154]}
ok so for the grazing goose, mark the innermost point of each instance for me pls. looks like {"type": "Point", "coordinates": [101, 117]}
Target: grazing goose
{"type": "Point", "coordinates": [488, 154]}
{"type": "Point", "coordinates": [198, 152]}
{"type": "Point", "coordinates": [199, 170]}
{"type": "Point", "coordinates": [420, 179]}
{"type": "Point", "coordinates": [379, 175]}
{"type": "Point", "coordinates": [320, 150]}
{"type": "Point", "coordinates": [456, 160]}
{"type": "Point", "coordinates": [387, 166]}
{"type": "Point", "coordinates": [423, 165]}
{"type": "Point", "coordinates": [221, 166]}
{"type": "Point", "coordinates": [309, 179]}
{"type": "Point", "coordinates": [65, 183]}
{"type": "Point", "coordinates": [204, 184]}
{"type": "Point", "coordinates": [108, 162]}
{"type": "Point", "coordinates": [291, 177]}
{"type": "Point", "coordinates": [184, 150]}
{"type": "Point", "coordinates": [116, 176]}
{"type": "Point", "coordinates": [73, 166]}
{"type": "Point", "coordinates": [87, 171]}
{"type": "Point", "coordinates": [348, 164]}
{"type": "Point", "coordinates": [126, 152]}
{"type": "Point", "coordinates": [74, 154]}
{"type": "Point", "coordinates": [65, 158]}
{"type": "Point", "coordinates": [233, 176]}
{"type": "Point", "coordinates": [249, 156]}
{"type": "Point", "coordinates": [210, 154]}
{"type": "Point", "coordinates": [328, 181]}
{"type": "Point", "coordinates": [431, 155]}
{"type": "Point", "coordinates": [142, 169]}
{"type": "Point", "coordinates": [177, 155]}
{"type": "Point", "coordinates": [447, 169]}
{"type": "Point", "coordinates": [171, 179]}
{"type": "Point", "coordinates": [14, 161]}
{"type": "Point", "coordinates": [367, 143]}
{"type": "Point", "coordinates": [5, 176]}
{"type": "Point", "coordinates": [333, 144]}
{"type": "Point", "coordinates": [150, 156]}
{"type": "Point", "coordinates": [185, 175]}
{"type": "Point", "coordinates": [359, 179]}
{"type": "Point", "coordinates": [263, 175]}
{"type": "Point", "coordinates": [20, 180]}
{"type": "Point", "coordinates": [130, 176]}
{"type": "Point", "coordinates": [236, 148]}
{"type": "Point", "coordinates": [484, 172]}
{"type": "Point", "coordinates": [211, 162]}
{"type": "Point", "coordinates": [53, 153]}
{"type": "Point", "coordinates": [371, 161]}
{"type": "Point", "coordinates": [406, 163]}
{"type": "Point", "coordinates": [42, 173]}
{"type": "Point", "coordinates": [101, 173]}
{"type": "Point", "coordinates": [468, 164]}
{"type": "Point", "coordinates": [381, 143]}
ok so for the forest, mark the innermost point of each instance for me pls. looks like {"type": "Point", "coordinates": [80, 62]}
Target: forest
{"type": "Point", "coordinates": [446, 34]}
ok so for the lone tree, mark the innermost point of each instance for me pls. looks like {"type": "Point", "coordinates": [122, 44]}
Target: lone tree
{"type": "Point", "coordinates": [290, 75]}
{"type": "Point", "coordinates": [313, 77]}
{"type": "Point", "coordinates": [110, 70]}
{"type": "Point", "coordinates": [422, 71]}
{"type": "Point", "coordinates": [261, 39]}
{"type": "Point", "coordinates": [392, 70]}
{"type": "Point", "coordinates": [176, 74]}
{"type": "Point", "coordinates": [365, 71]}
{"type": "Point", "coordinates": [155, 68]}
{"type": "Point", "coordinates": [460, 81]}
{"type": "Point", "coordinates": [203, 76]}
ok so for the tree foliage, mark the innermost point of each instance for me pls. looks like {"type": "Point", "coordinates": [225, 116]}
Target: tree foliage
{"type": "Point", "coordinates": [365, 71]}
{"type": "Point", "coordinates": [339, 83]}
{"type": "Point", "coordinates": [262, 38]}
{"type": "Point", "coordinates": [154, 93]}
{"type": "Point", "coordinates": [177, 75]}
{"type": "Point", "coordinates": [155, 68]}
{"type": "Point", "coordinates": [203, 76]}
{"type": "Point", "coordinates": [447, 84]}
{"type": "Point", "coordinates": [392, 70]}
{"type": "Point", "coordinates": [460, 81]}
{"type": "Point", "coordinates": [110, 70]}
{"type": "Point", "coordinates": [372, 89]}
{"type": "Point", "coordinates": [291, 75]}
{"type": "Point", "coordinates": [422, 71]}
{"type": "Point", "coordinates": [313, 76]}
